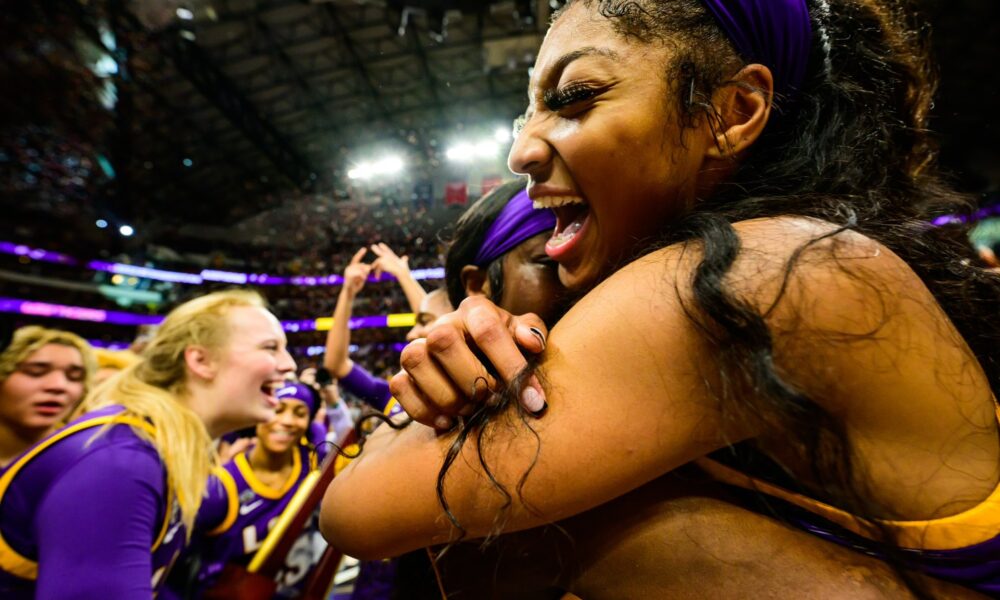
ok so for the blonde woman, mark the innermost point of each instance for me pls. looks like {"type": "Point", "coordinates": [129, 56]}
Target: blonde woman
{"type": "Point", "coordinates": [44, 373]}
{"type": "Point", "coordinates": [101, 508]}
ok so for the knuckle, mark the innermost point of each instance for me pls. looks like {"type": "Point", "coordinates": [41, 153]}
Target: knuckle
{"type": "Point", "coordinates": [413, 356]}
{"type": "Point", "coordinates": [442, 339]}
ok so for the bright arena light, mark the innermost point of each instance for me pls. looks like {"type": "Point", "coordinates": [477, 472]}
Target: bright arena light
{"type": "Point", "coordinates": [390, 165]}
{"type": "Point", "coordinates": [126, 230]}
{"type": "Point", "coordinates": [502, 135]}
{"type": "Point", "coordinates": [487, 149]}
{"type": "Point", "coordinates": [101, 223]}
{"type": "Point", "coordinates": [465, 152]}
{"type": "Point", "coordinates": [185, 14]}
{"type": "Point", "coordinates": [461, 152]}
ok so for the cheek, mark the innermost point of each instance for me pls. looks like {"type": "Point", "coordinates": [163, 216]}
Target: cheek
{"type": "Point", "coordinates": [76, 391]}
{"type": "Point", "coordinates": [17, 390]}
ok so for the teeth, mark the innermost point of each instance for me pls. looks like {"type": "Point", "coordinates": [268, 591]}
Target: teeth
{"type": "Point", "coordinates": [556, 201]}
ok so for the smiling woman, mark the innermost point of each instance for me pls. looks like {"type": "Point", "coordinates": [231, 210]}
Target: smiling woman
{"type": "Point", "coordinates": [44, 373]}
{"type": "Point", "coordinates": [788, 321]}
{"type": "Point", "coordinates": [101, 507]}
{"type": "Point", "coordinates": [251, 492]}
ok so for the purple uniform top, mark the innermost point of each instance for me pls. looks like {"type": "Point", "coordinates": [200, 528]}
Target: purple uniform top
{"type": "Point", "coordinates": [963, 548]}
{"type": "Point", "coordinates": [372, 390]}
{"type": "Point", "coordinates": [239, 511]}
{"type": "Point", "coordinates": [88, 517]}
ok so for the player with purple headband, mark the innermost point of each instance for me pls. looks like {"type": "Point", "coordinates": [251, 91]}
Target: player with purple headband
{"type": "Point", "coordinates": [742, 189]}
{"type": "Point", "coordinates": [254, 489]}
{"type": "Point", "coordinates": [102, 508]}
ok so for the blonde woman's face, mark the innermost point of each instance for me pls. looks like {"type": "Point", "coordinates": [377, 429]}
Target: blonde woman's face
{"type": "Point", "coordinates": [252, 366]}
{"type": "Point", "coordinates": [43, 389]}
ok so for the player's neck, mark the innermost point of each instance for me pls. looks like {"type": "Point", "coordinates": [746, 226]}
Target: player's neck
{"type": "Point", "coordinates": [14, 441]}
{"type": "Point", "coordinates": [264, 461]}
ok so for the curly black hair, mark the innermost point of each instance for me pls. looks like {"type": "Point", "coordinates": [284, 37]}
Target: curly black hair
{"type": "Point", "coordinates": [852, 148]}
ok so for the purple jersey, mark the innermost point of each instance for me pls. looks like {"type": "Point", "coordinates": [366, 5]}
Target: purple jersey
{"type": "Point", "coordinates": [372, 390]}
{"type": "Point", "coordinates": [237, 515]}
{"type": "Point", "coordinates": [963, 548]}
{"type": "Point", "coordinates": [88, 516]}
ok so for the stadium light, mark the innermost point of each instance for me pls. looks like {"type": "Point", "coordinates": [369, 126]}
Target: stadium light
{"type": "Point", "coordinates": [185, 14]}
{"type": "Point", "coordinates": [388, 166]}
{"type": "Point", "coordinates": [126, 230]}
{"type": "Point", "coordinates": [464, 152]}
{"type": "Point", "coordinates": [502, 135]}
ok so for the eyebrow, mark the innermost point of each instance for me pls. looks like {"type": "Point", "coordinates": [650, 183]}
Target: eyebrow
{"type": "Point", "coordinates": [48, 363]}
{"type": "Point", "coordinates": [566, 59]}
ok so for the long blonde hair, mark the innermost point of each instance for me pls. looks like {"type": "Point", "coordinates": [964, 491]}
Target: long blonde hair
{"type": "Point", "coordinates": [30, 339]}
{"type": "Point", "coordinates": [153, 388]}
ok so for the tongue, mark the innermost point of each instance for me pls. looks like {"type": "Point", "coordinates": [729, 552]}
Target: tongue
{"type": "Point", "coordinates": [567, 233]}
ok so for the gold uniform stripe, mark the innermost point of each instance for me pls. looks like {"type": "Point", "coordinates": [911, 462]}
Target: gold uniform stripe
{"type": "Point", "coordinates": [262, 489]}
{"type": "Point", "coordinates": [232, 501]}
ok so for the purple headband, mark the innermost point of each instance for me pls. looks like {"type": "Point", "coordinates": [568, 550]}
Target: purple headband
{"type": "Point", "coordinates": [517, 222]}
{"type": "Point", "coordinates": [774, 33]}
{"type": "Point", "coordinates": [301, 392]}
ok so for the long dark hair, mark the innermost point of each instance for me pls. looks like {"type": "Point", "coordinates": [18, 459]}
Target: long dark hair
{"type": "Point", "coordinates": [852, 149]}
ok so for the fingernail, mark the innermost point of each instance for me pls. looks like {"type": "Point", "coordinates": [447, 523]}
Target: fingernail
{"type": "Point", "coordinates": [443, 422]}
{"type": "Point", "coordinates": [532, 401]}
{"type": "Point", "coordinates": [538, 334]}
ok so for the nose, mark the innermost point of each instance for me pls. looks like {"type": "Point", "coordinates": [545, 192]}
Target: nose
{"type": "Point", "coordinates": [56, 381]}
{"type": "Point", "coordinates": [530, 152]}
{"type": "Point", "coordinates": [286, 417]}
{"type": "Point", "coordinates": [286, 364]}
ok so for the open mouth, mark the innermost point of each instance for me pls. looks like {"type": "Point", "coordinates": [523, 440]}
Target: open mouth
{"type": "Point", "coordinates": [49, 408]}
{"type": "Point", "coordinates": [283, 436]}
{"type": "Point", "coordinates": [571, 216]}
{"type": "Point", "coordinates": [270, 391]}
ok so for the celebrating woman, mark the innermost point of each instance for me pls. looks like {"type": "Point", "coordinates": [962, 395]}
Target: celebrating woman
{"type": "Point", "coordinates": [102, 508]}
{"type": "Point", "coordinates": [788, 319]}
{"type": "Point", "coordinates": [44, 373]}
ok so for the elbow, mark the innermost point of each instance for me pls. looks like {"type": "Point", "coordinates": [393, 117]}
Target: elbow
{"type": "Point", "coordinates": [354, 532]}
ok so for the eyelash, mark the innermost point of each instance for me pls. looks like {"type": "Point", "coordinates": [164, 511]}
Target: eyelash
{"type": "Point", "coordinates": [559, 99]}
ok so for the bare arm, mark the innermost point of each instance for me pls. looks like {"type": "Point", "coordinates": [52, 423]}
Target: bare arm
{"type": "Point", "coordinates": [338, 340]}
{"type": "Point", "coordinates": [625, 390]}
{"type": "Point", "coordinates": [625, 373]}
{"type": "Point", "coordinates": [399, 267]}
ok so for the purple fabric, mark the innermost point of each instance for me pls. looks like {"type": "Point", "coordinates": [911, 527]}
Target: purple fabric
{"type": "Point", "coordinates": [976, 567]}
{"type": "Point", "coordinates": [255, 517]}
{"type": "Point", "coordinates": [89, 514]}
{"type": "Point", "coordinates": [303, 393]}
{"type": "Point", "coordinates": [370, 389]}
{"type": "Point", "coordinates": [517, 222]}
{"type": "Point", "coordinates": [376, 580]}
{"type": "Point", "coordinates": [774, 33]}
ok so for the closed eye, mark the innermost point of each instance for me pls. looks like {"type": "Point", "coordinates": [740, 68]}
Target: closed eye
{"type": "Point", "coordinates": [561, 98]}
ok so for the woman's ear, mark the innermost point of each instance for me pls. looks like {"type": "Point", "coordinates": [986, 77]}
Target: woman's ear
{"type": "Point", "coordinates": [200, 363]}
{"type": "Point", "coordinates": [474, 281]}
{"type": "Point", "coordinates": [744, 107]}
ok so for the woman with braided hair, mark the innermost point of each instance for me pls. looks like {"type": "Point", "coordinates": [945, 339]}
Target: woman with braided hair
{"type": "Point", "coordinates": [742, 189]}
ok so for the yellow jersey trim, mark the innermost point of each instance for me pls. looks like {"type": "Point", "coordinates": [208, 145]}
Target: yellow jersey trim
{"type": "Point", "coordinates": [232, 501]}
{"type": "Point", "coordinates": [25, 568]}
{"type": "Point", "coordinates": [976, 525]}
{"type": "Point", "coordinates": [262, 489]}
{"type": "Point", "coordinates": [391, 404]}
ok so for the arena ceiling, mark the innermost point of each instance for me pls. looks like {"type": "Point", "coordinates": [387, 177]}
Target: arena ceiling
{"type": "Point", "coordinates": [252, 97]}
{"type": "Point", "coordinates": [221, 115]}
